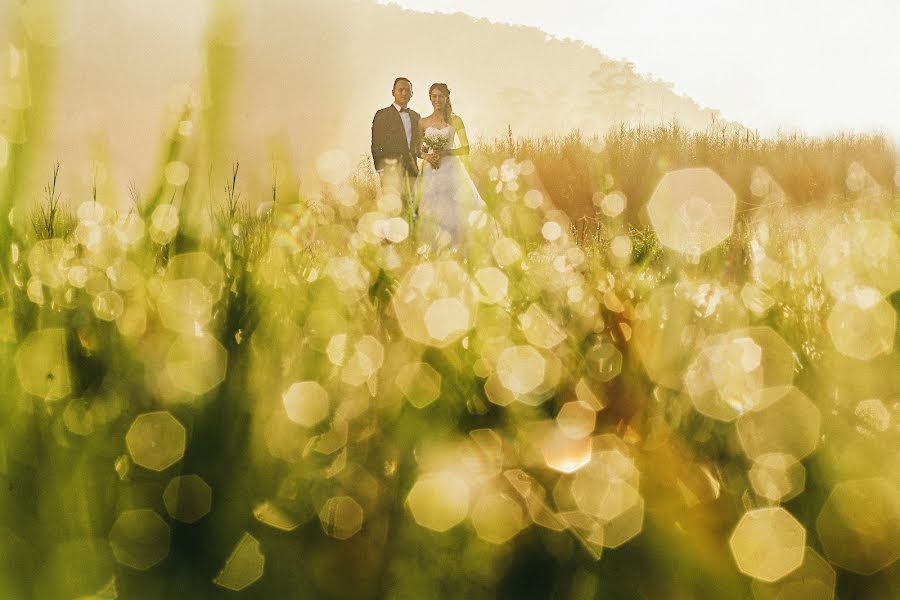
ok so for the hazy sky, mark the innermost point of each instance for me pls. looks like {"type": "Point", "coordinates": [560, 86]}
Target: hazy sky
{"type": "Point", "coordinates": [815, 65]}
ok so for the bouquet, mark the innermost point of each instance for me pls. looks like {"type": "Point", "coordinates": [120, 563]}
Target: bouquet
{"type": "Point", "coordinates": [434, 142]}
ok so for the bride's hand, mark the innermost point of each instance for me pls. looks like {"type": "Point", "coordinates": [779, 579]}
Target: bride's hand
{"type": "Point", "coordinates": [432, 158]}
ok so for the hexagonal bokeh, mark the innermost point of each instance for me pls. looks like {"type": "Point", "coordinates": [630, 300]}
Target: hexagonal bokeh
{"type": "Point", "coordinates": [156, 440]}
{"type": "Point", "coordinates": [497, 518]}
{"type": "Point", "coordinates": [277, 517]}
{"type": "Point", "coordinates": [337, 349]}
{"type": "Point", "coordinates": [331, 440]}
{"type": "Point", "coordinates": [506, 251]}
{"type": "Point", "coordinates": [139, 538]}
{"type": "Point", "coordinates": [739, 371]}
{"type": "Point", "coordinates": [123, 467]}
{"type": "Point", "coordinates": [164, 223]}
{"type": "Point", "coordinates": [814, 578]}
{"type": "Point", "coordinates": [244, 566]}
{"type": "Point", "coordinates": [553, 372]}
{"type": "Point", "coordinates": [603, 362]}
{"type": "Point", "coordinates": [539, 329]}
{"type": "Point", "coordinates": [341, 517]}
{"type": "Point", "coordinates": [755, 299]}
{"type": "Point", "coordinates": [90, 211]}
{"type": "Point", "coordinates": [521, 369]}
{"type": "Point", "coordinates": [187, 498]}
{"type": "Point", "coordinates": [534, 496]}
{"type": "Point", "coordinates": [678, 317]}
{"type": "Point", "coordinates": [692, 210]}
{"type": "Point", "coordinates": [439, 501]}
{"type": "Point", "coordinates": [306, 403]}
{"type": "Point", "coordinates": [872, 415]}
{"type": "Point", "coordinates": [78, 417]}
{"type": "Point", "coordinates": [366, 359]}
{"type": "Point", "coordinates": [861, 254]}
{"type": "Point", "coordinates": [489, 454]}
{"type": "Point", "coordinates": [563, 453]}
{"type": "Point", "coordinates": [862, 330]}
{"type": "Point", "coordinates": [607, 489]}
{"type": "Point", "coordinates": [46, 262]}
{"type": "Point", "coordinates": [768, 543]}
{"type": "Point", "coordinates": [420, 383]}
{"type": "Point", "coordinates": [348, 275]}
{"type": "Point", "coordinates": [777, 477]}
{"type": "Point", "coordinates": [185, 305]}
{"type": "Point", "coordinates": [496, 392]}
{"type": "Point", "coordinates": [605, 499]}
{"type": "Point", "coordinates": [196, 364]}
{"type": "Point", "coordinates": [859, 525]}
{"type": "Point", "coordinates": [42, 364]}
{"type": "Point", "coordinates": [589, 396]}
{"type": "Point", "coordinates": [108, 306]}
{"type": "Point", "coordinates": [625, 525]}
{"type": "Point", "coordinates": [435, 303]}
{"type": "Point", "coordinates": [576, 419]}
{"type": "Point", "coordinates": [200, 267]}
{"type": "Point", "coordinates": [494, 285]}
{"type": "Point", "coordinates": [611, 204]}
{"type": "Point", "coordinates": [133, 320]}
{"type": "Point", "coordinates": [446, 318]}
{"type": "Point", "coordinates": [789, 425]}
{"type": "Point", "coordinates": [588, 530]}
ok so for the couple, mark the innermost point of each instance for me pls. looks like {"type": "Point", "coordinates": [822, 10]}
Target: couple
{"type": "Point", "coordinates": [441, 193]}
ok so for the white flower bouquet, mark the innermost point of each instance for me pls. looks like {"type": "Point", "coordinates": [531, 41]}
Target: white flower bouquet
{"type": "Point", "coordinates": [434, 142]}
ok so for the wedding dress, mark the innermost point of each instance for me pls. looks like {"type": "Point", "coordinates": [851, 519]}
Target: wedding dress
{"type": "Point", "coordinates": [447, 197]}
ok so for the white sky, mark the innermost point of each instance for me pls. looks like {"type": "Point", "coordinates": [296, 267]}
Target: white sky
{"type": "Point", "coordinates": [813, 65]}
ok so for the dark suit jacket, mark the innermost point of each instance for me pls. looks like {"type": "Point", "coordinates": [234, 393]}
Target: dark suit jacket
{"type": "Point", "coordinates": [389, 139]}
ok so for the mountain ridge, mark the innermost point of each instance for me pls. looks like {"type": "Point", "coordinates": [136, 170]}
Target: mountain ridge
{"type": "Point", "coordinates": [299, 79]}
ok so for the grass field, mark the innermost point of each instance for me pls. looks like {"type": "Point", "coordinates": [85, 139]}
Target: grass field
{"type": "Point", "coordinates": [665, 367]}
{"type": "Point", "coordinates": [656, 381]}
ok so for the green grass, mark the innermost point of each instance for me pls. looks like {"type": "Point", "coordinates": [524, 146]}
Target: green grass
{"type": "Point", "coordinates": [275, 309]}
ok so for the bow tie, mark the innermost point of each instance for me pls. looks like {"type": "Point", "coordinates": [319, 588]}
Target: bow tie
{"type": "Point", "coordinates": [404, 110]}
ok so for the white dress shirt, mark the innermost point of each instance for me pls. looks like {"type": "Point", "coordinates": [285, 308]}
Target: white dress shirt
{"type": "Point", "coordinates": [407, 125]}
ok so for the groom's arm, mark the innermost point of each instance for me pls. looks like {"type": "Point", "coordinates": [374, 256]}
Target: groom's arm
{"type": "Point", "coordinates": [377, 140]}
{"type": "Point", "coordinates": [417, 136]}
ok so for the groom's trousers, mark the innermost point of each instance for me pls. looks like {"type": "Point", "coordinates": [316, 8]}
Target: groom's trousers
{"type": "Point", "coordinates": [397, 180]}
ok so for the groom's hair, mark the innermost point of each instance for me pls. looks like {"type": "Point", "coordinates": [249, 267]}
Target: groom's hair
{"type": "Point", "coordinates": [399, 79]}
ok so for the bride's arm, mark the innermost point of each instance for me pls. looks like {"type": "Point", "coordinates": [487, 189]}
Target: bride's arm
{"type": "Point", "coordinates": [463, 149]}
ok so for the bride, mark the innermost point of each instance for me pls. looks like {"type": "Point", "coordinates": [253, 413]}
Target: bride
{"type": "Point", "coordinates": [450, 207]}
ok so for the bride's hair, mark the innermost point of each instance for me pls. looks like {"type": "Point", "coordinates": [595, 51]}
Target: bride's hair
{"type": "Point", "coordinates": [448, 107]}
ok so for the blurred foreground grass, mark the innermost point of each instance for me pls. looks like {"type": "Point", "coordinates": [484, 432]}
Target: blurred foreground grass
{"type": "Point", "coordinates": [298, 398]}
{"type": "Point", "coordinates": [666, 367]}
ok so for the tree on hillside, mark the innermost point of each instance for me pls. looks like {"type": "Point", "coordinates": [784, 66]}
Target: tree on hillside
{"type": "Point", "coordinates": [614, 92]}
{"type": "Point", "coordinates": [659, 100]}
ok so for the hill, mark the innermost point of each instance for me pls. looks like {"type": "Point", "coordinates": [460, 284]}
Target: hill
{"type": "Point", "coordinates": [288, 79]}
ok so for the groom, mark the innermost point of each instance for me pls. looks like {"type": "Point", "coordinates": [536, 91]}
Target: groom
{"type": "Point", "coordinates": [395, 143]}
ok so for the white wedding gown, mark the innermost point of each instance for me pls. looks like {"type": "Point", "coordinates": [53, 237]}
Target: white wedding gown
{"type": "Point", "coordinates": [447, 197]}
